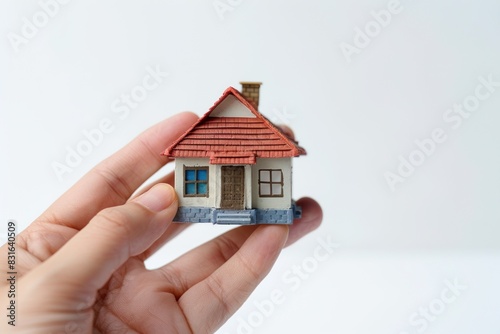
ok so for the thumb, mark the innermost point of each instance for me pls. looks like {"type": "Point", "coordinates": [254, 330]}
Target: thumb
{"type": "Point", "coordinates": [113, 236]}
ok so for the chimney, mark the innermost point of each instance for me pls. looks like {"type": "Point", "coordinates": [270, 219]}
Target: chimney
{"type": "Point", "coordinates": [250, 90]}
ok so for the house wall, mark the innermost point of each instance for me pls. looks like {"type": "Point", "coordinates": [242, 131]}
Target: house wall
{"type": "Point", "coordinates": [252, 198]}
{"type": "Point", "coordinates": [284, 202]}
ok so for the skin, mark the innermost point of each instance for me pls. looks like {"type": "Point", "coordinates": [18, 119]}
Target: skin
{"type": "Point", "coordinates": [81, 263]}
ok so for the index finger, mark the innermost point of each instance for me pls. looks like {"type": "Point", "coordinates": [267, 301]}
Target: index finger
{"type": "Point", "coordinates": [114, 180]}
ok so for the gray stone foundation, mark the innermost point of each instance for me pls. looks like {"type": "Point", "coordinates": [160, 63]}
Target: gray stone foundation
{"type": "Point", "coordinates": [237, 217]}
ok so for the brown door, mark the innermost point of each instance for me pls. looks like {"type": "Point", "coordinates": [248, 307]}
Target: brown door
{"type": "Point", "coordinates": [233, 188]}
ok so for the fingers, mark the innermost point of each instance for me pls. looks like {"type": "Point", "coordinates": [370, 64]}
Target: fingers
{"type": "Point", "coordinates": [208, 304]}
{"type": "Point", "coordinates": [312, 215]}
{"type": "Point", "coordinates": [169, 179]}
{"type": "Point", "coordinates": [197, 264]}
{"type": "Point", "coordinates": [173, 230]}
{"type": "Point", "coordinates": [200, 262]}
{"type": "Point", "coordinates": [287, 131]}
{"type": "Point", "coordinates": [90, 258]}
{"type": "Point", "coordinates": [239, 260]}
{"type": "Point", "coordinates": [114, 180]}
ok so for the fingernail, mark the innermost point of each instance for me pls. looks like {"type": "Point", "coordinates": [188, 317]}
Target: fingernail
{"type": "Point", "coordinates": [158, 198]}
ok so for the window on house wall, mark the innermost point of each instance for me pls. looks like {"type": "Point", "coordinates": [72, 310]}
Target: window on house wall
{"type": "Point", "coordinates": [270, 183]}
{"type": "Point", "coordinates": [196, 181]}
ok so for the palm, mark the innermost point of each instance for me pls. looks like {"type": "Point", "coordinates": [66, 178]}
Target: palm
{"type": "Point", "coordinates": [138, 300]}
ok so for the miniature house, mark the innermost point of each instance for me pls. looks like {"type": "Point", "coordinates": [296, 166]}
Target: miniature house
{"type": "Point", "coordinates": [234, 166]}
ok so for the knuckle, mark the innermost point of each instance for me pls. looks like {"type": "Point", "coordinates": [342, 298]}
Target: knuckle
{"type": "Point", "coordinates": [216, 288]}
{"type": "Point", "coordinates": [247, 267]}
{"type": "Point", "coordinates": [115, 182]}
{"type": "Point", "coordinates": [114, 220]}
{"type": "Point", "coordinates": [225, 248]}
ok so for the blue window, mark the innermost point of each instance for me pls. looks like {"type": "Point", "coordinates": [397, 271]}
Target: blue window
{"type": "Point", "coordinates": [196, 181]}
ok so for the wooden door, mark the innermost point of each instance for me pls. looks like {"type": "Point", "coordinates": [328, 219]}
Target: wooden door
{"type": "Point", "coordinates": [233, 187]}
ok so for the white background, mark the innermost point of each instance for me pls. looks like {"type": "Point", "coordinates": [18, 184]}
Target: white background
{"type": "Point", "coordinates": [396, 249]}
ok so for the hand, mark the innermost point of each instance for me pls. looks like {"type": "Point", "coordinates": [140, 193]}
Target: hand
{"type": "Point", "coordinates": [81, 263]}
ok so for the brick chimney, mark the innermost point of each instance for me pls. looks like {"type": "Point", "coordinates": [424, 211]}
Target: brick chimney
{"type": "Point", "coordinates": [250, 90]}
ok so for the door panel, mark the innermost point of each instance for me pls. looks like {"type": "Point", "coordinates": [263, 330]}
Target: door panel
{"type": "Point", "coordinates": [233, 187]}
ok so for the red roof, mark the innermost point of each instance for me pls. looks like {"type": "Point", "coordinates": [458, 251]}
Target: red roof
{"type": "Point", "coordinates": [234, 140]}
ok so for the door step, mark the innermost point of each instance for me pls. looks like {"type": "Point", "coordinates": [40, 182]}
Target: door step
{"type": "Point", "coordinates": [240, 217]}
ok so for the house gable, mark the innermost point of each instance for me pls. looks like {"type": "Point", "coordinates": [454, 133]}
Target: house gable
{"type": "Point", "coordinates": [232, 107]}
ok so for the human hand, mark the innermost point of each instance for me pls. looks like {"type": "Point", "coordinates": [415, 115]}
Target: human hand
{"type": "Point", "coordinates": [81, 263]}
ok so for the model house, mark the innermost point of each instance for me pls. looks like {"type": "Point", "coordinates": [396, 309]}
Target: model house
{"type": "Point", "coordinates": [234, 166]}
